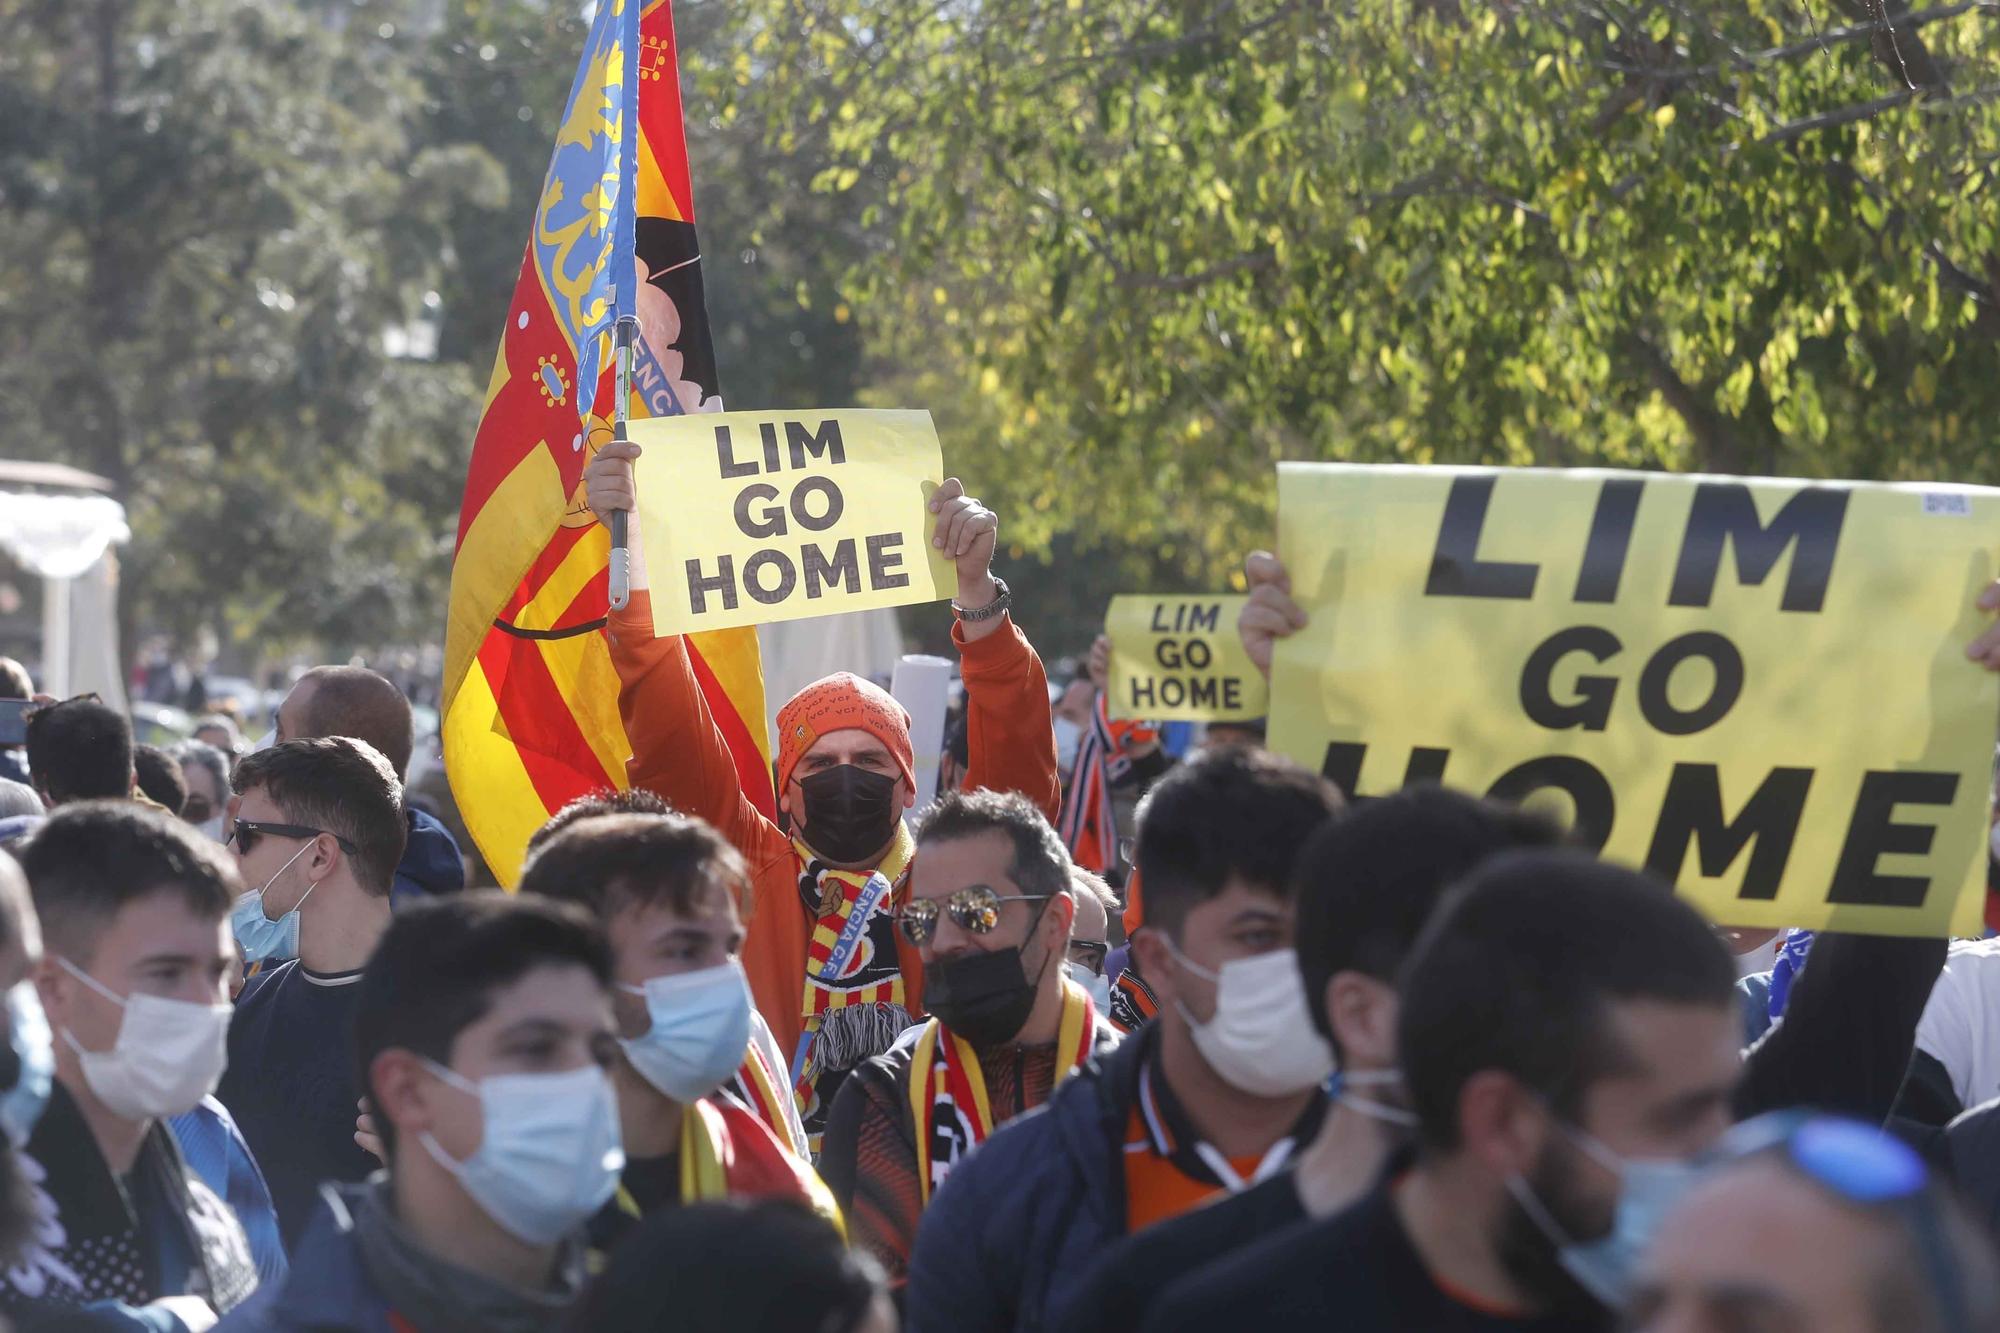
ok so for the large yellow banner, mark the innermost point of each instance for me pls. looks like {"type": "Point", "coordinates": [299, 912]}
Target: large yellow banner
{"type": "Point", "coordinates": [1756, 688]}
{"type": "Point", "coordinates": [756, 517]}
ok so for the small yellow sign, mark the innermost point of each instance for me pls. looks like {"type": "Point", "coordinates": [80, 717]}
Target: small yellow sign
{"type": "Point", "coordinates": [1176, 658]}
{"type": "Point", "coordinates": [1755, 688]}
{"type": "Point", "coordinates": [756, 517]}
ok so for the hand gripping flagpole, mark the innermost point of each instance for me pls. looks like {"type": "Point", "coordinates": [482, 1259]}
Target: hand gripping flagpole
{"type": "Point", "coordinates": [625, 345]}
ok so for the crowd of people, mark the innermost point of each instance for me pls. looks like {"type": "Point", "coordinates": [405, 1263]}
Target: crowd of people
{"type": "Point", "coordinates": [1097, 1037]}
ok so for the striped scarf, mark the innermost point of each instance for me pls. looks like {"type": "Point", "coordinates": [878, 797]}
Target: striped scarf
{"type": "Point", "coordinates": [1088, 825]}
{"type": "Point", "coordinates": [854, 1004]}
{"type": "Point", "coordinates": [948, 1101]}
{"type": "Point", "coordinates": [759, 1087]}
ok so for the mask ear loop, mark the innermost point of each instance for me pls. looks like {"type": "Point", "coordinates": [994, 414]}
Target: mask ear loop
{"type": "Point", "coordinates": [1374, 1109]}
{"type": "Point", "coordinates": [1033, 926]}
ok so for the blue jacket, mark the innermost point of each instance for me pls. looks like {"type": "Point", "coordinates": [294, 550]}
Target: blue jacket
{"type": "Point", "coordinates": [431, 862]}
{"type": "Point", "coordinates": [1013, 1231]}
{"type": "Point", "coordinates": [327, 1290]}
{"type": "Point", "coordinates": [215, 1151]}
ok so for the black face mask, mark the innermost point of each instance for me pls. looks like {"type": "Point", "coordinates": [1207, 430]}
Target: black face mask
{"type": "Point", "coordinates": [850, 812]}
{"type": "Point", "coordinates": [983, 997]}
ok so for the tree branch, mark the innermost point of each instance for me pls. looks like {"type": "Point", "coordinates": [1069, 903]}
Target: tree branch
{"type": "Point", "coordinates": [1846, 115]}
{"type": "Point", "coordinates": [1809, 45]}
{"type": "Point", "coordinates": [1187, 282]}
{"type": "Point", "coordinates": [1717, 446]}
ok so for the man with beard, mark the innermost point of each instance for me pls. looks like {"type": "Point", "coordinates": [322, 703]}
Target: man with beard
{"type": "Point", "coordinates": [1210, 1098]}
{"type": "Point", "coordinates": [1568, 1038]}
{"type": "Point", "coordinates": [992, 900]}
{"type": "Point", "coordinates": [822, 952]}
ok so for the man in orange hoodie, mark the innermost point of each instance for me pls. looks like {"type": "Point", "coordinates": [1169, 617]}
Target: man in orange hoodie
{"type": "Point", "coordinates": [828, 970]}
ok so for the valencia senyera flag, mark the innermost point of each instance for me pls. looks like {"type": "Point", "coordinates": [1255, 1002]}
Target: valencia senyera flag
{"type": "Point", "coordinates": [531, 698]}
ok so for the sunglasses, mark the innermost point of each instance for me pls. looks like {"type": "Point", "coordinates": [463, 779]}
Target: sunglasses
{"type": "Point", "coordinates": [976, 909]}
{"type": "Point", "coordinates": [245, 833]}
{"type": "Point", "coordinates": [1863, 1166]}
{"type": "Point", "coordinates": [35, 712]}
{"type": "Point", "coordinates": [1090, 952]}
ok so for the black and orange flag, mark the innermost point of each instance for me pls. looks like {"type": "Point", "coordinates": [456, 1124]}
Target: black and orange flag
{"type": "Point", "coordinates": [531, 697]}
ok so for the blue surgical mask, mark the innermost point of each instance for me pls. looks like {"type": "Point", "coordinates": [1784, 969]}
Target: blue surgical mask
{"type": "Point", "coordinates": [1648, 1189]}
{"type": "Point", "coordinates": [265, 940]}
{"type": "Point", "coordinates": [699, 1031]}
{"type": "Point", "coordinates": [35, 1059]}
{"type": "Point", "coordinates": [550, 1154]}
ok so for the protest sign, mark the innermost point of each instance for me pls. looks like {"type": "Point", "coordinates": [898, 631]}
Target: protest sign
{"type": "Point", "coordinates": [1755, 688]}
{"type": "Point", "coordinates": [1178, 659]}
{"type": "Point", "coordinates": [756, 517]}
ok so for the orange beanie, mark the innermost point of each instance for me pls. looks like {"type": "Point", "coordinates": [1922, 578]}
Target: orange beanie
{"type": "Point", "coordinates": [842, 702]}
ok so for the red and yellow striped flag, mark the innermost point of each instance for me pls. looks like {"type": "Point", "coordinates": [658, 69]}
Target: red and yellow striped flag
{"type": "Point", "coordinates": [531, 698]}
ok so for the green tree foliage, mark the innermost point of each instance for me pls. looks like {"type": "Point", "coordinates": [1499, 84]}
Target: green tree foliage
{"type": "Point", "coordinates": [215, 211]}
{"type": "Point", "coordinates": [1166, 244]}
{"type": "Point", "coordinates": [216, 216]}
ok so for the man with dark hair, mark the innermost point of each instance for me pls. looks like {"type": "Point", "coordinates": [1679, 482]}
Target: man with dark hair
{"type": "Point", "coordinates": [484, 1032]}
{"type": "Point", "coordinates": [664, 888]}
{"type": "Point", "coordinates": [14, 684]}
{"type": "Point", "coordinates": [317, 834]}
{"type": "Point", "coordinates": [159, 778]}
{"type": "Point", "coordinates": [365, 705]}
{"type": "Point", "coordinates": [990, 910]}
{"type": "Point", "coordinates": [1811, 1222]}
{"type": "Point", "coordinates": [1364, 887]}
{"type": "Point", "coordinates": [609, 801]}
{"type": "Point", "coordinates": [132, 906]}
{"type": "Point", "coordinates": [1567, 1031]}
{"type": "Point", "coordinates": [761, 1083]}
{"type": "Point", "coordinates": [80, 750]}
{"type": "Point", "coordinates": [1211, 1097]}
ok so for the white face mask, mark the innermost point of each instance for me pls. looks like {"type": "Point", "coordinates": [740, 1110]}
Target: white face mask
{"type": "Point", "coordinates": [550, 1155]}
{"type": "Point", "coordinates": [1261, 1039]}
{"type": "Point", "coordinates": [1095, 984]}
{"type": "Point", "coordinates": [169, 1054]}
{"type": "Point", "coordinates": [212, 829]}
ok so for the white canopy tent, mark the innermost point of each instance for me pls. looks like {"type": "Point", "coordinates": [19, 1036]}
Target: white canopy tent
{"type": "Point", "coordinates": [58, 524]}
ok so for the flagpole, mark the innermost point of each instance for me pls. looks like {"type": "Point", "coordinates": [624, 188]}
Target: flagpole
{"type": "Point", "coordinates": [624, 340]}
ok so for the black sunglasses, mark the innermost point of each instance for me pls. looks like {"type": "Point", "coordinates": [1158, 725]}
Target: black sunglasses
{"type": "Point", "coordinates": [245, 832]}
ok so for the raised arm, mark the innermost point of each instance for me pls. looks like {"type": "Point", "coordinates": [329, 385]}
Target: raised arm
{"type": "Point", "coordinates": [678, 750]}
{"type": "Point", "coordinates": [1010, 730]}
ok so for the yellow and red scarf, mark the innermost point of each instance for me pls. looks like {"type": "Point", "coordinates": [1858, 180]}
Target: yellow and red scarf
{"type": "Point", "coordinates": [706, 1160]}
{"type": "Point", "coordinates": [763, 1089]}
{"type": "Point", "coordinates": [948, 1102]}
{"type": "Point", "coordinates": [854, 1003]}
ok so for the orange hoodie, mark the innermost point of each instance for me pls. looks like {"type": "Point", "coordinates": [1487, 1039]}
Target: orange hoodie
{"type": "Point", "coordinates": [678, 752]}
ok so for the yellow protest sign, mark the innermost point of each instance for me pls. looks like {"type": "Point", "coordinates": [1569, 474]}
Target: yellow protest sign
{"type": "Point", "coordinates": [1755, 688]}
{"type": "Point", "coordinates": [1178, 659]}
{"type": "Point", "coordinates": [756, 517]}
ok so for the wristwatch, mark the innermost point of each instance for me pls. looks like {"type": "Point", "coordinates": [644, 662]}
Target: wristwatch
{"type": "Point", "coordinates": [997, 607]}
